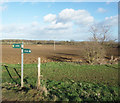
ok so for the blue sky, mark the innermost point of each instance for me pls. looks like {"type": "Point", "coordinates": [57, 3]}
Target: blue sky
{"type": "Point", "coordinates": [56, 20]}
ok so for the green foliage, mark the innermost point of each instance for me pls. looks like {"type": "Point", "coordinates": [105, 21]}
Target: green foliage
{"type": "Point", "coordinates": [63, 81]}
{"type": "Point", "coordinates": [69, 91]}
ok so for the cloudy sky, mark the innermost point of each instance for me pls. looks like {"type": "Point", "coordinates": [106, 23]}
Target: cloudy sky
{"type": "Point", "coordinates": [56, 20]}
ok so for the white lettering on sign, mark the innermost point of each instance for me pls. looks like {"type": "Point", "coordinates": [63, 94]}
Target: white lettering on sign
{"type": "Point", "coordinates": [27, 51]}
{"type": "Point", "coordinates": [17, 45]}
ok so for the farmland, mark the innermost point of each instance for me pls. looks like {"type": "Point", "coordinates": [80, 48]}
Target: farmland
{"type": "Point", "coordinates": [46, 52]}
{"type": "Point", "coordinates": [63, 53]}
{"type": "Point", "coordinates": [56, 51]}
{"type": "Point", "coordinates": [65, 75]}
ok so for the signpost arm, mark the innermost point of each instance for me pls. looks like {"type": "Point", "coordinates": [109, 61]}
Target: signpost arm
{"type": "Point", "coordinates": [22, 65]}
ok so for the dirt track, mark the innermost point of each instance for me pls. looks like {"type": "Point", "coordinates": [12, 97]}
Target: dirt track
{"type": "Point", "coordinates": [46, 52]}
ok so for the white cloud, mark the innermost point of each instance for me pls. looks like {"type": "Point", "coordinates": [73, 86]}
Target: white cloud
{"type": "Point", "coordinates": [101, 10]}
{"type": "Point", "coordinates": [113, 20]}
{"type": "Point", "coordinates": [35, 23]}
{"type": "Point", "coordinates": [50, 18]}
{"type": "Point", "coordinates": [59, 26]}
{"type": "Point", "coordinates": [28, 31]}
{"type": "Point", "coordinates": [81, 17]}
{"type": "Point", "coordinates": [68, 24]}
{"type": "Point", "coordinates": [67, 18]}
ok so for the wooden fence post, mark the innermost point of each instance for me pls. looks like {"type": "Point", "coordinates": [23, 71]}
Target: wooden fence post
{"type": "Point", "coordinates": [38, 86]}
{"type": "Point", "coordinates": [54, 45]}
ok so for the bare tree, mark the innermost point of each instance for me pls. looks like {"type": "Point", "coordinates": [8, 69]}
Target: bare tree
{"type": "Point", "coordinates": [101, 33]}
{"type": "Point", "coordinates": [94, 51]}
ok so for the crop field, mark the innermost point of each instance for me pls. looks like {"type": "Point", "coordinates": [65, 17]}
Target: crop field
{"type": "Point", "coordinates": [63, 82]}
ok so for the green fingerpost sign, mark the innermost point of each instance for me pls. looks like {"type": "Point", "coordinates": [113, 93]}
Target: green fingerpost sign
{"type": "Point", "coordinates": [16, 45]}
{"type": "Point", "coordinates": [26, 51]}
{"type": "Point", "coordinates": [22, 52]}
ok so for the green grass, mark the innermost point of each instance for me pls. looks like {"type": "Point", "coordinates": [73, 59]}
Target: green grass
{"type": "Point", "coordinates": [64, 82]}
{"type": "Point", "coordinates": [106, 74]}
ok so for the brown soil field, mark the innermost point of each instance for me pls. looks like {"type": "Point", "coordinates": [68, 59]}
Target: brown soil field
{"type": "Point", "coordinates": [64, 53]}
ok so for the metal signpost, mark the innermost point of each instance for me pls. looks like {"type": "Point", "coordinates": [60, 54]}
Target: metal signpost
{"type": "Point", "coordinates": [22, 52]}
{"type": "Point", "coordinates": [22, 64]}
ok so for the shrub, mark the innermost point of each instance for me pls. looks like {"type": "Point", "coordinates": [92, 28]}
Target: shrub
{"type": "Point", "coordinates": [93, 52]}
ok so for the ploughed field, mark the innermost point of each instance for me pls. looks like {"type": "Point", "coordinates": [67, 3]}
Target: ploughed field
{"type": "Point", "coordinates": [62, 53]}
{"type": "Point", "coordinates": [60, 81]}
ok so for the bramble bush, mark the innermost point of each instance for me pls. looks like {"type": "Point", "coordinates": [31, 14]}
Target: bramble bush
{"type": "Point", "coordinates": [93, 52]}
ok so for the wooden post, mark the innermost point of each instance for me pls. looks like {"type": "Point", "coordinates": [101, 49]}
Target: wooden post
{"type": "Point", "coordinates": [54, 45]}
{"type": "Point", "coordinates": [38, 86]}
